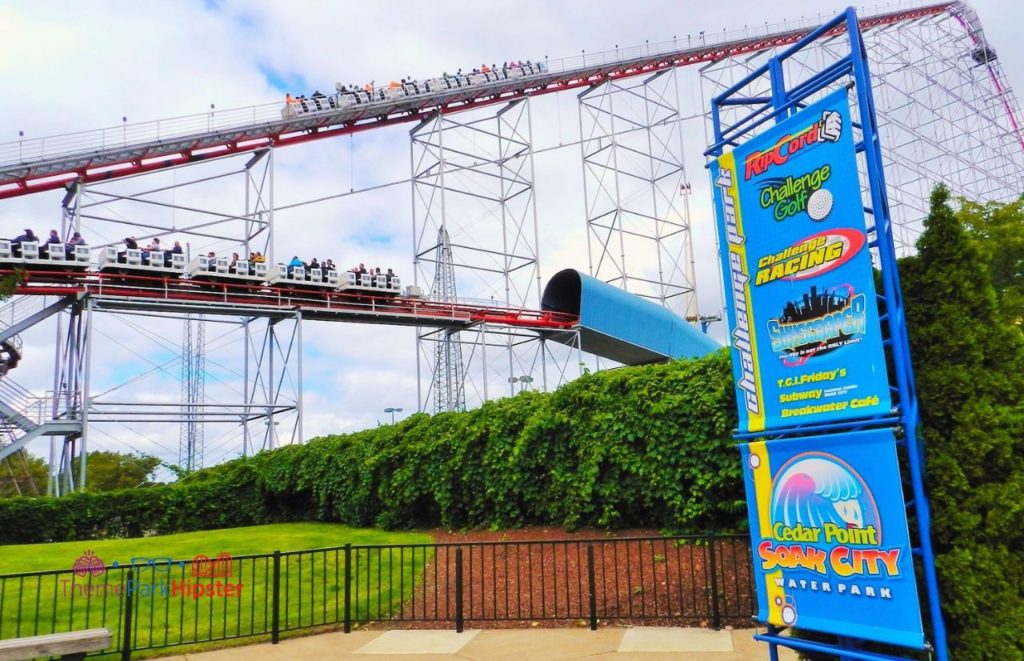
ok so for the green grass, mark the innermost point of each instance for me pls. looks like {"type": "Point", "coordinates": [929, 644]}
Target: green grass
{"type": "Point", "coordinates": [20, 558]}
{"type": "Point", "coordinates": [311, 588]}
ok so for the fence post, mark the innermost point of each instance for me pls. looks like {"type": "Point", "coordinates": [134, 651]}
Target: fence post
{"type": "Point", "coordinates": [348, 590]}
{"type": "Point", "coordinates": [591, 591]}
{"type": "Point", "coordinates": [458, 590]}
{"type": "Point", "coordinates": [126, 629]}
{"type": "Point", "coordinates": [275, 632]}
{"type": "Point", "coordinates": [716, 616]}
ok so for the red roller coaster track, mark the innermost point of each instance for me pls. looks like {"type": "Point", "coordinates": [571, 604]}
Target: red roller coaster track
{"type": "Point", "coordinates": [162, 294]}
{"type": "Point", "coordinates": [74, 164]}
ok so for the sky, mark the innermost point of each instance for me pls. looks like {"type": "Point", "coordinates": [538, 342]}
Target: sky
{"type": "Point", "coordinates": [74, 66]}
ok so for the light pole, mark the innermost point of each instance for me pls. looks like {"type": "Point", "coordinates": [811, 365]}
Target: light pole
{"type": "Point", "coordinates": [393, 410]}
{"type": "Point", "coordinates": [522, 380]}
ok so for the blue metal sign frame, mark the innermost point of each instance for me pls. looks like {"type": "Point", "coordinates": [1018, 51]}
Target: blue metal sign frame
{"type": "Point", "coordinates": [784, 101]}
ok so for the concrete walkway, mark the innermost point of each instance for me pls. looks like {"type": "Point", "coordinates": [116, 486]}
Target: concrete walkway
{"type": "Point", "coordinates": [640, 643]}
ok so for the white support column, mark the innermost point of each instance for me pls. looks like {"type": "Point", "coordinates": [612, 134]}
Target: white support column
{"type": "Point", "coordinates": [472, 182]}
{"type": "Point", "coordinates": [638, 226]}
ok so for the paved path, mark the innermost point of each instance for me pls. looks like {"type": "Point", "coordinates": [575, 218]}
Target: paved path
{"type": "Point", "coordinates": [620, 644]}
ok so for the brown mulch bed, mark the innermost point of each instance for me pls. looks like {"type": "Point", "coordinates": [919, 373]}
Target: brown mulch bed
{"type": "Point", "coordinates": [539, 576]}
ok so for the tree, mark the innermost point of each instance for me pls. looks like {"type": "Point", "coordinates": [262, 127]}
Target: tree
{"type": "Point", "coordinates": [997, 231]}
{"type": "Point", "coordinates": [108, 471]}
{"type": "Point", "coordinates": [22, 474]}
{"type": "Point", "coordinates": [10, 282]}
{"type": "Point", "coordinates": [969, 367]}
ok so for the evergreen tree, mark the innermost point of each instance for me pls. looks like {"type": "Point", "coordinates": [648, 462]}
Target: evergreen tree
{"type": "Point", "coordinates": [969, 366]}
{"type": "Point", "coordinates": [998, 231]}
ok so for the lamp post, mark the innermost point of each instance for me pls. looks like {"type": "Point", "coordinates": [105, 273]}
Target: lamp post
{"type": "Point", "coordinates": [393, 410]}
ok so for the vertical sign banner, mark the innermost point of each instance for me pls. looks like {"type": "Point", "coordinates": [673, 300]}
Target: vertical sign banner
{"type": "Point", "coordinates": [800, 291]}
{"type": "Point", "coordinates": [829, 533]}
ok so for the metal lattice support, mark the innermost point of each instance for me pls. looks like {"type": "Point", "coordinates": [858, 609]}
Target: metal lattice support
{"type": "Point", "coordinates": [945, 112]}
{"type": "Point", "coordinates": [259, 204]}
{"type": "Point", "coordinates": [562, 359]}
{"type": "Point", "coordinates": [71, 382]}
{"type": "Point", "coordinates": [273, 383]}
{"type": "Point", "coordinates": [472, 177]}
{"type": "Point", "coordinates": [635, 185]}
{"type": "Point", "coordinates": [448, 385]}
{"type": "Point", "coordinates": [193, 387]}
{"type": "Point", "coordinates": [178, 206]}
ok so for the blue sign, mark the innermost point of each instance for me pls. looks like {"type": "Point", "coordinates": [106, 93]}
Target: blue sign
{"type": "Point", "coordinates": [829, 533]}
{"type": "Point", "coordinates": [800, 293]}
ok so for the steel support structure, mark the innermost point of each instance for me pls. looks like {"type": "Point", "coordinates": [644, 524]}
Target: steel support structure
{"type": "Point", "coordinates": [635, 189]}
{"type": "Point", "coordinates": [68, 399]}
{"type": "Point", "coordinates": [945, 112]}
{"type": "Point", "coordinates": [177, 207]}
{"type": "Point", "coordinates": [472, 182]}
{"type": "Point", "coordinates": [538, 363]}
{"type": "Point", "coordinates": [273, 384]}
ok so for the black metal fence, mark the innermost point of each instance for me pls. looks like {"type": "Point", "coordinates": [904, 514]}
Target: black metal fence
{"type": "Point", "coordinates": [159, 603]}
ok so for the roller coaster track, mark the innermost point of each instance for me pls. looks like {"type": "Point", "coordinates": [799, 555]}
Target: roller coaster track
{"type": "Point", "coordinates": [117, 292]}
{"type": "Point", "coordinates": [52, 163]}
{"type": "Point", "coordinates": [25, 416]}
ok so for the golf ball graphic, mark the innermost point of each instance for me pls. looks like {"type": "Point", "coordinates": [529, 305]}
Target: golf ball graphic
{"type": "Point", "coordinates": [819, 204]}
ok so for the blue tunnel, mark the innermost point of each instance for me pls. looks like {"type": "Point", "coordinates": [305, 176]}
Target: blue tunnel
{"type": "Point", "coordinates": [620, 326]}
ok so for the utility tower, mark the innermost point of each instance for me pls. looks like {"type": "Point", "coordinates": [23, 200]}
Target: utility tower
{"type": "Point", "coordinates": [448, 385]}
{"type": "Point", "coordinates": [193, 393]}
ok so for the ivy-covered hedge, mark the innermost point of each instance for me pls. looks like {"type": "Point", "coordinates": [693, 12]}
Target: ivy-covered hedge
{"type": "Point", "coordinates": [645, 446]}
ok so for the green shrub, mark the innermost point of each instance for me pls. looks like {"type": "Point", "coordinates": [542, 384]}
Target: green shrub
{"type": "Point", "coordinates": [644, 446]}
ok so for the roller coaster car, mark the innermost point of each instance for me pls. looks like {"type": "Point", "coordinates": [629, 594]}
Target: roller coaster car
{"type": "Point", "coordinates": [220, 269]}
{"type": "Point", "coordinates": [138, 262]}
{"type": "Point", "coordinates": [345, 98]}
{"type": "Point", "coordinates": [46, 257]}
{"type": "Point", "coordinates": [368, 283]}
{"type": "Point", "coordinates": [352, 98]}
{"type": "Point", "coordinates": [433, 86]}
{"type": "Point", "coordinates": [297, 276]}
{"type": "Point", "coordinates": [317, 104]}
